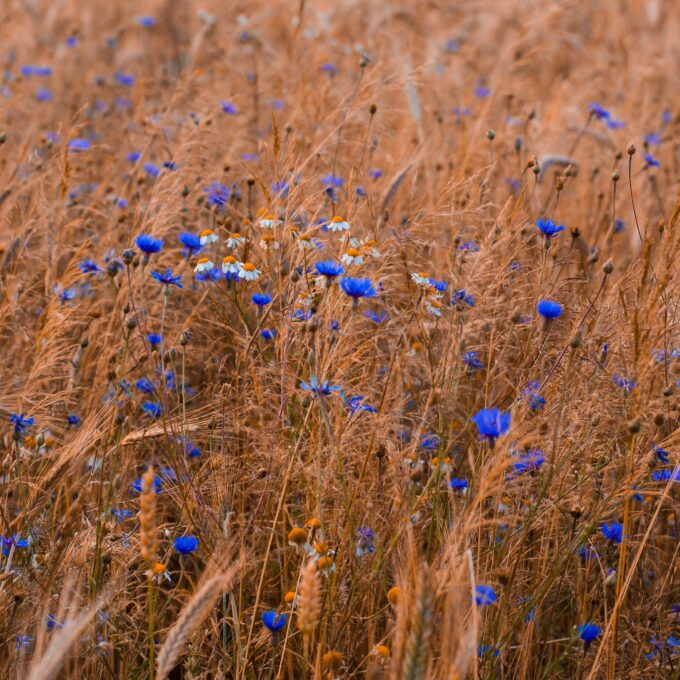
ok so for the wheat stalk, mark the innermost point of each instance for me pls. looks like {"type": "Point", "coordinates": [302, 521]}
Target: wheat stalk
{"type": "Point", "coordinates": [191, 616]}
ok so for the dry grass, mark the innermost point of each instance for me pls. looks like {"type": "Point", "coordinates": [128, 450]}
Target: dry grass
{"type": "Point", "coordinates": [397, 100]}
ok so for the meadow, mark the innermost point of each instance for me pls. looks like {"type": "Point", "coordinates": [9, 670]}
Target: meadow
{"type": "Point", "coordinates": [339, 339]}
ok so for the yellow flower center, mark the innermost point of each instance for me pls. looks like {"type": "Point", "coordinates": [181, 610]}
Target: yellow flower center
{"type": "Point", "coordinates": [268, 217]}
{"type": "Point", "coordinates": [353, 252]}
{"type": "Point", "coordinates": [249, 267]}
{"type": "Point", "coordinates": [229, 259]}
{"type": "Point", "coordinates": [337, 218]}
{"type": "Point", "coordinates": [203, 260]}
{"type": "Point", "coordinates": [236, 235]}
{"type": "Point", "coordinates": [206, 232]}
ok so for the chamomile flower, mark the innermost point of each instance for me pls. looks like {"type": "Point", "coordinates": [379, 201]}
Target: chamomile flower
{"type": "Point", "coordinates": [268, 241]}
{"type": "Point", "coordinates": [306, 242]}
{"type": "Point", "coordinates": [269, 221]}
{"type": "Point", "coordinates": [230, 265]}
{"type": "Point", "coordinates": [420, 278]}
{"type": "Point", "coordinates": [203, 265]}
{"type": "Point", "coordinates": [208, 236]}
{"type": "Point", "coordinates": [248, 272]}
{"type": "Point", "coordinates": [337, 223]}
{"type": "Point", "coordinates": [370, 247]}
{"type": "Point", "coordinates": [235, 240]}
{"type": "Point", "coordinates": [433, 307]}
{"type": "Point", "coordinates": [352, 256]}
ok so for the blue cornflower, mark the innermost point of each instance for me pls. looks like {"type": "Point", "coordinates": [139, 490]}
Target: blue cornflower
{"type": "Point", "coordinates": [471, 360]}
{"type": "Point", "coordinates": [358, 403]}
{"type": "Point", "coordinates": [79, 144]}
{"type": "Point", "coordinates": [65, 294]}
{"type": "Point", "coordinates": [375, 317]}
{"type": "Point", "coordinates": [145, 21]}
{"type": "Point", "coordinates": [122, 515]}
{"type": "Point", "coordinates": [598, 111]}
{"type": "Point", "coordinates": [357, 288]}
{"type": "Point", "coordinates": [44, 94]}
{"type": "Point", "coordinates": [191, 243]}
{"type": "Point", "coordinates": [151, 409]}
{"type": "Point", "coordinates": [612, 531]}
{"type": "Point", "coordinates": [133, 156]}
{"type": "Point", "coordinates": [21, 422]}
{"type": "Point", "coordinates": [23, 641]}
{"type": "Point", "coordinates": [365, 538]}
{"type": "Point", "coordinates": [528, 462]}
{"type": "Point", "coordinates": [549, 309]}
{"type": "Point", "coordinates": [148, 244]}
{"type": "Point", "coordinates": [329, 68]}
{"type": "Point", "coordinates": [548, 228]}
{"type": "Point", "coordinates": [491, 422]}
{"type": "Point", "coordinates": [626, 384]}
{"type": "Point", "coordinates": [280, 189]}
{"type": "Point", "coordinates": [360, 192]}
{"type": "Point", "coordinates": [167, 278]}
{"type": "Point", "coordinates": [439, 286]}
{"type": "Point", "coordinates": [154, 339]}
{"type": "Point", "coordinates": [619, 225]}
{"type": "Point", "coordinates": [429, 441]}
{"type": "Point", "coordinates": [452, 45]}
{"type": "Point", "coordinates": [587, 552]}
{"type": "Point", "coordinates": [261, 299]}
{"type": "Point", "coordinates": [588, 632]}
{"type": "Point", "coordinates": [651, 161]}
{"type": "Point", "coordinates": [71, 41]}
{"type": "Point", "coordinates": [484, 595]}
{"type": "Point", "coordinates": [375, 173]}
{"type": "Point", "coordinates": [151, 169]}
{"type": "Point", "coordinates": [458, 484]}
{"type": "Point", "coordinates": [268, 334]}
{"type": "Point", "coordinates": [145, 386]}
{"type": "Point", "coordinates": [461, 295]}
{"type": "Point", "coordinates": [666, 117]}
{"type": "Point", "coordinates": [661, 453]}
{"type": "Point", "coordinates": [273, 621]}
{"type": "Point", "coordinates": [16, 541]}
{"type": "Point", "coordinates": [530, 393]}
{"type": "Point", "coordinates": [482, 92]}
{"type": "Point", "coordinates": [124, 79]}
{"type": "Point", "coordinates": [30, 70]}
{"type": "Point", "coordinates": [228, 107]}
{"type": "Point", "coordinates": [185, 544]}
{"type": "Point", "coordinates": [53, 622]}
{"type": "Point", "coordinates": [218, 194]}
{"type": "Point", "coordinates": [332, 181]}
{"type": "Point", "coordinates": [89, 267]}
{"type": "Point", "coordinates": [469, 246]}
{"type": "Point", "coordinates": [323, 388]}
{"type": "Point", "coordinates": [170, 165]}
{"type": "Point", "coordinates": [72, 420]}
{"type": "Point", "coordinates": [328, 268]}
{"type": "Point", "coordinates": [653, 138]}
{"type": "Point", "coordinates": [666, 475]}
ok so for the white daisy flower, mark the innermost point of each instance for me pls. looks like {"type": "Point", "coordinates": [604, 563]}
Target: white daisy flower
{"type": "Point", "coordinates": [268, 241]}
{"type": "Point", "coordinates": [208, 236]}
{"type": "Point", "coordinates": [248, 272]}
{"type": "Point", "coordinates": [269, 222]}
{"type": "Point", "coordinates": [230, 265]}
{"type": "Point", "coordinates": [370, 247]}
{"type": "Point", "coordinates": [203, 265]}
{"type": "Point", "coordinates": [306, 242]}
{"type": "Point", "coordinates": [433, 307]}
{"type": "Point", "coordinates": [338, 223]}
{"type": "Point", "coordinates": [235, 240]}
{"type": "Point", "coordinates": [420, 278]}
{"type": "Point", "coordinates": [352, 256]}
